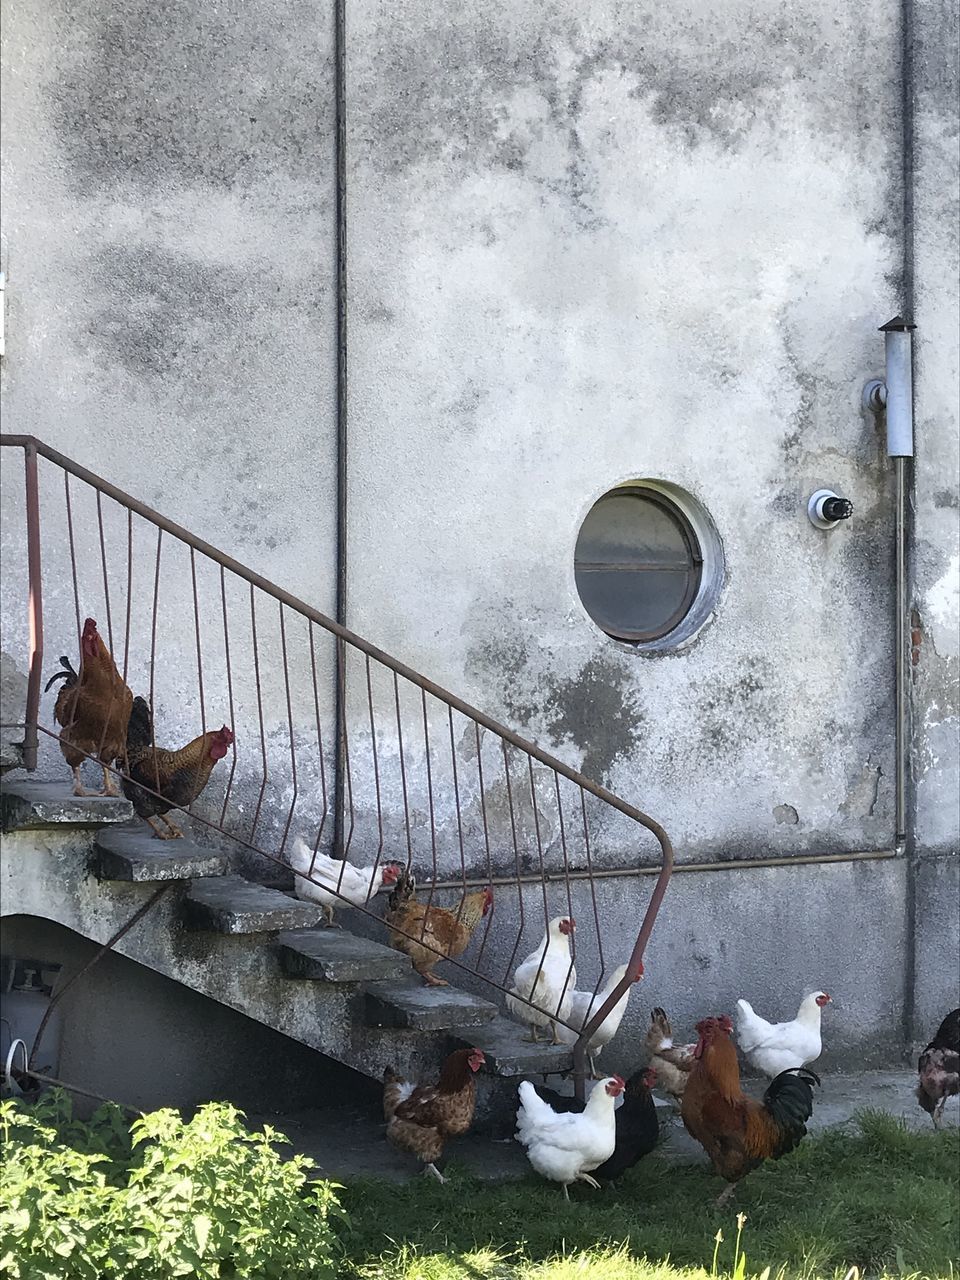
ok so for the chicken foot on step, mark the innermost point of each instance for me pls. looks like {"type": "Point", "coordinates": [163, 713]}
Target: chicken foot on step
{"type": "Point", "coordinates": [330, 922]}
{"type": "Point", "coordinates": [110, 787]}
{"type": "Point", "coordinates": [78, 788]}
{"type": "Point", "coordinates": [171, 832]}
{"type": "Point", "coordinates": [431, 980]}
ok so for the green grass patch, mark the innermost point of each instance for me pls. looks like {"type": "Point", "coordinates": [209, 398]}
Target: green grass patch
{"type": "Point", "coordinates": [870, 1195]}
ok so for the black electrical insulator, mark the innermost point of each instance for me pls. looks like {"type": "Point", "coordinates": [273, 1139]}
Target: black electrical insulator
{"type": "Point", "coordinates": [837, 509]}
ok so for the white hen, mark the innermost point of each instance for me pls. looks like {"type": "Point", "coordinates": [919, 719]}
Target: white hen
{"type": "Point", "coordinates": [773, 1047]}
{"type": "Point", "coordinates": [564, 1147]}
{"type": "Point", "coordinates": [547, 977]}
{"type": "Point", "coordinates": [584, 1004]}
{"type": "Point", "coordinates": [338, 880]}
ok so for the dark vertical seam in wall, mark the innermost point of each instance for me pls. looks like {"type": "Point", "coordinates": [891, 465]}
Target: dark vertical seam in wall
{"type": "Point", "coordinates": [908, 135]}
{"type": "Point", "coordinates": [340, 133]}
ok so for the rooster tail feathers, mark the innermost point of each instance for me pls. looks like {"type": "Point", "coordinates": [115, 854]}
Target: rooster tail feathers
{"type": "Point", "coordinates": [68, 675]}
{"type": "Point", "coordinates": [140, 725]}
{"type": "Point", "coordinates": [789, 1099]}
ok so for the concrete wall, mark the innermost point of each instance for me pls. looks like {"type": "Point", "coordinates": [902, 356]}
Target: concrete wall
{"type": "Point", "coordinates": [936, 567]}
{"type": "Point", "coordinates": [586, 245]}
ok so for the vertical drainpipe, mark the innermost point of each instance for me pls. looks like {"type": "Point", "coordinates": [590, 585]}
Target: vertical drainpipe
{"type": "Point", "coordinates": [340, 147]}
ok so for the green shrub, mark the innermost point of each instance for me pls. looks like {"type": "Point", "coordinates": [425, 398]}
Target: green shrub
{"type": "Point", "coordinates": [164, 1197]}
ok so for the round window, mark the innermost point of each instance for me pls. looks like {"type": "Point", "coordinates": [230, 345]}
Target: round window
{"type": "Point", "coordinates": [638, 563]}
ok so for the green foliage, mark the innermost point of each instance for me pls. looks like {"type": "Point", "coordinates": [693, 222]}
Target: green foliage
{"type": "Point", "coordinates": [164, 1197]}
{"type": "Point", "coordinates": [870, 1195]}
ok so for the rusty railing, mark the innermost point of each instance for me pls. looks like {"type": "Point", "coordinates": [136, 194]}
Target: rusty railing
{"type": "Point", "coordinates": [426, 779]}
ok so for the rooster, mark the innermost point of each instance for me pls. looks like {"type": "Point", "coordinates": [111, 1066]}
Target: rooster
{"type": "Point", "coordinates": [179, 776]}
{"type": "Point", "coordinates": [939, 1068]}
{"type": "Point", "coordinates": [92, 707]}
{"type": "Point", "coordinates": [635, 1121]}
{"type": "Point", "coordinates": [773, 1047]}
{"type": "Point", "coordinates": [547, 978]}
{"type": "Point", "coordinates": [671, 1062]}
{"type": "Point", "coordinates": [738, 1133]}
{"type": "Point", "coordinates": [339, 881]}
{"type": "Point", "coordinates": [583, 1006]}
{"type": "Point", "coordinates": [420, 1118]}
{"type": "Point", "coordinates": [428, 934]}
{"type": "Point", "coordinates": [567, 1147]}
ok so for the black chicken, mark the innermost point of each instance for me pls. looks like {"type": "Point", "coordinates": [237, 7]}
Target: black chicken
{"type": "Point", "coordinates": [939, 1068]}
{"type": "Point", "coordinates": [638, 1129]}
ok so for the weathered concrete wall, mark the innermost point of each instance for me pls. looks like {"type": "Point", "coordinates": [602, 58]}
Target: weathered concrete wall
{"type": "Point", "coordinates": [614, 242]}
{"type": "Point", "coordinates": [936, 568]}
{"type": "Point", "coordinates": [170, 254]}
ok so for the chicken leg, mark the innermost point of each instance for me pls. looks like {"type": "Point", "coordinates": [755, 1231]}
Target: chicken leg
{"type": "Point", "coordinates": [591, 1182]}
{"type": "Point", "coordinates": [78, 788]}
{"type": "Point", "coordinates": [330, 922]}
{"type": "Point", "coordinates": [170, 833]}
{"type": "Point", "coordinates": [430, 979]}
{"type": "Point", "coordinates": [725, 1195]}
{"type": "Point", "coordinates": [434, 1172]}
{"type": "Point", "coordinates": [110, 787]}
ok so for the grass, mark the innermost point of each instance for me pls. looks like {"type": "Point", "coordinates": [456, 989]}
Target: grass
{"type": "Point", "coordinates": [870, 1195]}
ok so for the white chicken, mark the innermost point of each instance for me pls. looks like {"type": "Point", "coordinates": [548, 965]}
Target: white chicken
{"type": "Point", "coordinates": [338, 880]}
{"type": "Point", "coordinates": [773, 1047]}
{"type": "Point", "coordinates": [547, 977]}
{"type": "Point", "coordinates": [564, 1147]}
{"type": "Point", "coordinates": [584, 1004]}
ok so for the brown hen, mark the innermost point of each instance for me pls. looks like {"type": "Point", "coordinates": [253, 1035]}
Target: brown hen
{"type": "Point", "coordinates": [420, 1118]}
{"type": "Point", "coordinates": [445, 933]}
{"type": "Point", "coordinates": [178, 776]}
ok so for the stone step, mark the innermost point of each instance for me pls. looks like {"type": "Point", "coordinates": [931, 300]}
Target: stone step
{"type": "Point", "coordinates": [409, 1003]}
{"type": "Point", "coordinates": [134, 853]}
{"type": "Point", "coordinates": [28, 805]}
{"type": "Point", "coordinates": [230, 904]}
{"type": "Point", "coordinates": [508, 1053]}
{"type": "Point", "coordinates": [333, 955]}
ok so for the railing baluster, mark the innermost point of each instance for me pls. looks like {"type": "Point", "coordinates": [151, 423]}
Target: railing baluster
{"type": "Point", "coordinates": [403, 772]}
{"type": "Point", "coordinates": [323, 772]}
{"type": "Point", "coordinates": [153, 663]}
{"type": "Point", "coordinates": [263, 739]}
{"type": "Point", "coordinates": [486, 835]}
{"type": "Point", "coordinates": [73, 548]}
{"type": "Point", "coordinates": [34, 609]}
{"type": "Point", "coordinates": [293, 746]}
{"type": "Point", "coordinates": [376, 765]}
{"type": "Point", "coordinates": [516, 863]}
{"type": "Point", "coordinates": [233, 716]}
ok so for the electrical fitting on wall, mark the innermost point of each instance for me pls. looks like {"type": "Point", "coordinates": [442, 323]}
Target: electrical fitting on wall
{"type": "Point", "coordinates": [826, 509]}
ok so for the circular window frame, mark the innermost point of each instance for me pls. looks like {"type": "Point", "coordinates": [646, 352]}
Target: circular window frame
{"type": "Point", "coordinates": [703, 543]}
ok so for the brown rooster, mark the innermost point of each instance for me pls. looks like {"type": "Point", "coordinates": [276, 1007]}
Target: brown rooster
{"type": "Point", "coordinates": [179, 776]}
{"type": "Point", "coordinates": [92, 707]}
{"type": "Point", "coordinates": [446, 932]}
{"type": "Point", "coordinates": [672, 1063]}
{"type": "Point", "coordinates": [420, 1119]}
{"type": "Point", "coordinates": [738, 1133]}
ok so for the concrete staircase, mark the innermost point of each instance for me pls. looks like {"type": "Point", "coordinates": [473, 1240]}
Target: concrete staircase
{"type": "Point", "coordinates": [89, 864]}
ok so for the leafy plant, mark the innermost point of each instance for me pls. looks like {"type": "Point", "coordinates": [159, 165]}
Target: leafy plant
{"type": "Point", "coordinates": [164, 1197]}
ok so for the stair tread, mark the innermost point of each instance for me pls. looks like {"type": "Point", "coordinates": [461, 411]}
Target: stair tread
{"type": "Point", "coordinates": [334, 955]}
{"type": "Point", "coordinates": [231, 904]}
{"type": "Point", "coordinates": [29, 804]}
{"type": "Point", "coordinates": [407, 1002]}
{"type": "Point", "coordinates": [134, 853]}
{"type": "Point", "coordinates": [509, 1054]}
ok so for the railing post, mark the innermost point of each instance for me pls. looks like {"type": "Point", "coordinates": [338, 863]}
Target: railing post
{"type": "Point", "coordinates": [34, 608]}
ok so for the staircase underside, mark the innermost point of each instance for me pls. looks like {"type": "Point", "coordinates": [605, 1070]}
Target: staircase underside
{"type": "Point", "coordinates": [89, 864]}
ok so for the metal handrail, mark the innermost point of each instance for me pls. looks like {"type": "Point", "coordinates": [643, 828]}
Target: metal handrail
{"type": "Point", "coordinates": [34, 448]}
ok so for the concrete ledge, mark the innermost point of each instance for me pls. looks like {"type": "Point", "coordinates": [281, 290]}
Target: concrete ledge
{"type": "Point", "coordinates": [509, 1054]}
{"type": "Point", "coordinates": [332, 955]}
{"type": "Point", "coordinates": [28, 806]}
{"type": "Point", "coordinates": [132, 853]}
{"type": "Point", "coordinates": [408, 1003]}
{"type": "Point", "coordinates": [229, 904]}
